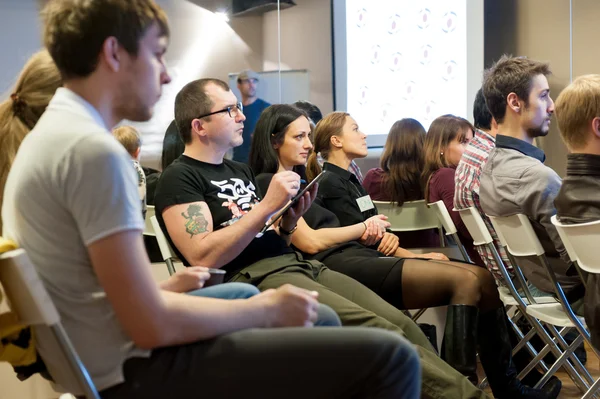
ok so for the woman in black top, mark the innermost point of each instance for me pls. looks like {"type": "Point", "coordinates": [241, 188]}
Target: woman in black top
{"type": "Point", "coordinates": [281, 141]}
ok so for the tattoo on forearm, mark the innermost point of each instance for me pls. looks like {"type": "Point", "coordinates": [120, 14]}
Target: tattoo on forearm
{"type": "Point", "coordinates": [195, 222]}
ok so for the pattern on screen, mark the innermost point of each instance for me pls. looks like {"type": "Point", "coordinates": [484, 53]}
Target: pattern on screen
{"type": "Point", "coordinates": [405, 59]}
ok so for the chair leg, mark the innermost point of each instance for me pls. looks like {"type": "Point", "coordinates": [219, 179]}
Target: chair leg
{"type": "Point", "coordinates": [593, 390]}
{"type": "Point", "coordinates": [568, 360]}
{"type": "Point", "coordinates": [77, 367]}
{"type": "Point", "coordinates": [461, 248]}
{"type": "Point", "coordinates": [419, 313]}
{"type": "Point", "coordinates": [170, 266]}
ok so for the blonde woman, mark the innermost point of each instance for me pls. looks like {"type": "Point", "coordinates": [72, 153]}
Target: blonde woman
{"type": "Point", "coordinates": [35, 86]}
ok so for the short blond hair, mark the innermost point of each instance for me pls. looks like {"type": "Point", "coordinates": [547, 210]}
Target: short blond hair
{"type": "Point", "coordinates": [575, 108]}
{"type": "Point", "coordinates": [129, 137]}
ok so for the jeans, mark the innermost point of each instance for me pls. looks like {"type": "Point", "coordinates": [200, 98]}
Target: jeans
{"type": "Point", "coordinates": [326, 317]}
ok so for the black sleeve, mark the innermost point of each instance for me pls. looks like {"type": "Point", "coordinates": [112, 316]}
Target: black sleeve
{"type": "Point", "coordinates": [178, 184]}
{"type": "Point", "coordinates": [336, 198]}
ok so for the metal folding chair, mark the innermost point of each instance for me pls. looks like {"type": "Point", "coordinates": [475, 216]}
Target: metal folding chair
{"type": "Point", "coordinates": [411, 216]}
{"type": "Point", "coordinates": [166, 251]}
{"type": "Point", "coordinates": [446, 220]}
{"type": "Point", "coordinates": [580, 241]}
{"type": "Point", "coordinates": [29, 299]}
{"type": "Point", "coordinates": [508, 293]}
{"type": "Point", "coordinates": [520, 239]}
{"type": "Point", "coordinates": [148, 228]}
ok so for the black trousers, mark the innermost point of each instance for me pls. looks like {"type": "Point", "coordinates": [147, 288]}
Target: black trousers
{"type": "Point", "coordinates": [286, 363]}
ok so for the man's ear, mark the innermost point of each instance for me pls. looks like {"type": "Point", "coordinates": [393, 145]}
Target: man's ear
{"type": "Point", "coordinates": [513, 101]}
{"type": "Point", "coordinates": [198, 127]}
{"type": "Point", "coordinates": [136, 154]}
{"type": "Point", "coordinates": [596, 127]}
{"type": "Point", "coordinates": [336, 142]}
{"type": "Point", "coordinates": [110, 53]}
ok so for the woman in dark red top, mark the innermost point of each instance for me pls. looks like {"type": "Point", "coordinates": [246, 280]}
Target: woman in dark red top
{"type": "Point", "coordinates": [444, 145]}
{"type": "Point", "coordinates": [399, 178]}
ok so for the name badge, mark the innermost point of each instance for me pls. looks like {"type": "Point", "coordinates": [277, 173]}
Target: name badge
{"type": "Point", "coordinates": [365, 203]}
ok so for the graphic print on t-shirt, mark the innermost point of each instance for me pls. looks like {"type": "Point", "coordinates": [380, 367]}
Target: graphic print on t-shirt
{"type": "Point", "coordinates": [239, 197]}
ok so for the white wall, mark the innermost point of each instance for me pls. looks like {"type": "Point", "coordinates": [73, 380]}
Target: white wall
{"type": "Point", "coordinates": [19, 39]}
{"type": "Point", "coordinates": [305, 44]}
{"type": "Point", "coordinates": [201, 46]}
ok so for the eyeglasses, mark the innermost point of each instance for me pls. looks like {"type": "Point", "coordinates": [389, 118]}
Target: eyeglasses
{"type": "Point", "coordinates": [232, 110]}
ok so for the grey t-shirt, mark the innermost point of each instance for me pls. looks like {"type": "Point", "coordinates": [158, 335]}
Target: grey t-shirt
{"type": "Point", "coordinates": [72, 184]}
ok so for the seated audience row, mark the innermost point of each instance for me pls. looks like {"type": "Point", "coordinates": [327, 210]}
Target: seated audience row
{"type": "Point", "coordinates": [139, 339]}
{"type": "Point", "coordinates": [282, 143]}
{"type": "Point", "coordinates": [332, 245]}
{"type": "Point", "coordinates": [212, 212]}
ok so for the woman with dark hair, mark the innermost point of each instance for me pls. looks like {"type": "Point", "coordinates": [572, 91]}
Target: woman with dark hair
{"type": "Point", "coordinates": [444, 145]}
{"type": "Point", "coordinates": [172, 149]}
{"type": "Point", "coordinates": [173, 146]}
{"type": "Point", "coordinates": [399, 178]}
{"type": "Point", "coordinates": [477, 319]}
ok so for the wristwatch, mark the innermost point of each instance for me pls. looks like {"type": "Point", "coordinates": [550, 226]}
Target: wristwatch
{"type": "Point", "coordinates": [285, 232]}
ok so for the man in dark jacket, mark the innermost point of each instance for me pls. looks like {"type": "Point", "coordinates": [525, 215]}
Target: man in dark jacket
{"type": "Point", "coordinates": [577, 201]}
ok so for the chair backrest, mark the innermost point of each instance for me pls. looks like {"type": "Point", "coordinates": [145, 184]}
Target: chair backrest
{"type": "Point", "coordinates": [580, 242]}
{"type": "Point", "coordinates": [446, 220]}
{"type": "Point", "coordinates": [517, 234]}
{"type": "Point", "coordinates": [165, 248]}
{"type": "Point", "coordinates": [148, 228]}
{"type": "Point", "coordinates": [29, 299]}
{"type": "Point", "coordinates": [411, 216]}
{"type": "Point", "coordinates": [24, 289]}
{"type": "Point", "coordinates": [476, 226]}
{"type": "Point", "coordinates": [443, 216]}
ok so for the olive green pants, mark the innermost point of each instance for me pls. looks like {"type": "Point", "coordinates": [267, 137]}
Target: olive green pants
{"type": "Point", "coordinates": [359, 306]}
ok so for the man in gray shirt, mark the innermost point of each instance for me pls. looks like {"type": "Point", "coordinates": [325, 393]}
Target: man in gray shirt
{"type": "Point", "coordinates": [514, 179]}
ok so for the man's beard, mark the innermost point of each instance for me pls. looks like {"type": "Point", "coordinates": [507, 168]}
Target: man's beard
{"type": "Point", "coordinates": [538, 131]}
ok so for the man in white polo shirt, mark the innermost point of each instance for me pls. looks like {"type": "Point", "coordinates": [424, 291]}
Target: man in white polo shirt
{"type": "Point", "coordinates": [71, 201]}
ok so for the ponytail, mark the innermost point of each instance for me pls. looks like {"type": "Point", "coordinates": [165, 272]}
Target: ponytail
{"type": "Point", "coordinates": [312, 166]}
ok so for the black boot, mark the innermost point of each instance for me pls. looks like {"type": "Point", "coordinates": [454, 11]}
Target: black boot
{"type": "Point", "coordinates": [459, 347]}
{"type": "Point", "coordinates": [496, 358]}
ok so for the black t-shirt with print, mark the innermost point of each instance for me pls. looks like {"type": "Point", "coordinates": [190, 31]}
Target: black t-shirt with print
{"type": "Point", "coordinates": [229, 189]}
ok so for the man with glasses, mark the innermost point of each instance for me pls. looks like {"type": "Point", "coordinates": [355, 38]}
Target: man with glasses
{"type": "Point", "coordinates": [213, 214]}
{"type": "Point", "coordinates": [253, 106]}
